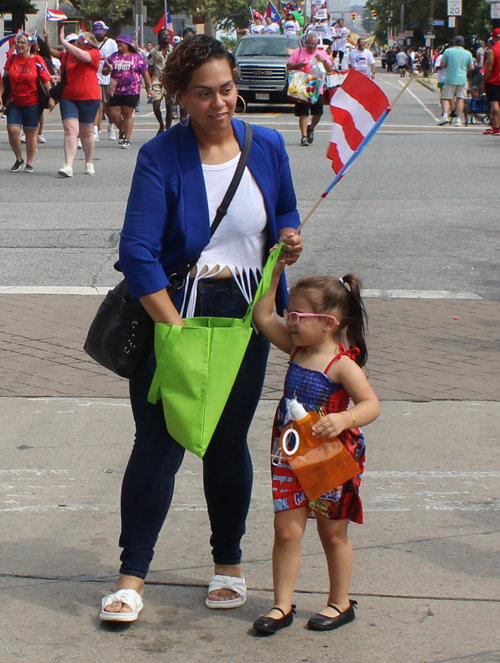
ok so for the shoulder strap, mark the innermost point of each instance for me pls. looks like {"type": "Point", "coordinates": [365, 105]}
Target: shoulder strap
{"type": "Point", "coordinates": [238, 174]}
{"type": "Point", "coordinates": [179, 278]}
{"type": "Point", "coordinates": [352, 354]}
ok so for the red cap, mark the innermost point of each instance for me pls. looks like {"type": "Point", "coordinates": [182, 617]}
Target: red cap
{"type": "Point", "coordinates": [496, 32]}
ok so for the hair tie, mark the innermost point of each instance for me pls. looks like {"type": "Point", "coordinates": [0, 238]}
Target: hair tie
{"type": "Point", "coordinates": [344, 284]}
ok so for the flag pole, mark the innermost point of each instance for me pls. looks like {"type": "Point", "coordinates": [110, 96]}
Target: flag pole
{"type": "Point", "coordinates": [341, 174]}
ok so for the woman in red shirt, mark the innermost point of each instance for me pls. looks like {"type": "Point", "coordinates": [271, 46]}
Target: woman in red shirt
{"type": "Point", "coordinates": [80, 100]}
{"type": "Point", "coordinates": [24, 109]}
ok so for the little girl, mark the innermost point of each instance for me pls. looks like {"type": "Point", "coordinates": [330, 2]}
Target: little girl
{"type": "Point", "coordinates": [322, 376]}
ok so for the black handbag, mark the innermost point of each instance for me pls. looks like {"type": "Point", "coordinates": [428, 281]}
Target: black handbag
{"type": "Point", "coordinates": [6, 89]}
{"type": "Point", "coordinates": [56, 90]}
{"type": "Point", "coordinates": [43, 95]}
{"type": "Point", "coordinates": [121, 335]}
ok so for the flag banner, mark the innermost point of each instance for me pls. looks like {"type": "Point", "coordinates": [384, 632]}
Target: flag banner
{"type": "Point", "coordinates": [273, 13]}
{"type": "Point", "coordinates": [55, 15]}
{"type": "Point", "coordinates": [165, 22]}
{"type": "Point", "coordinates": [358, 109]}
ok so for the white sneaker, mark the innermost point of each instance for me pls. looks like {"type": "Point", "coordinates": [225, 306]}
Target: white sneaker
{"type": "Point", "coordinates": [41, 139]}
{"type": "Point", "coordinates": [111, 132]}
{"type": "Point", "coordinates": [89, 169]}
{"type": "Point", "coordinates": [444, 120]}
{"type": "Point", "coordinates": [457, 122]}
{"type": "Point", "coordinates": [65, 171]}
{"type": "Point", "coordinates": [96, 135]}
{"type": "Point", "coordinates": [23, 137]}
{"type": "Point", "coordinates": [79, 144]}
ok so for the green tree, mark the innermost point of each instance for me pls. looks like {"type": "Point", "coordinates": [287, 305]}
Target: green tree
{"type": "Point", "coordinates": [474, 19]}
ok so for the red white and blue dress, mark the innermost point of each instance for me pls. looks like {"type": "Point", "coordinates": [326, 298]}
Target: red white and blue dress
{"type": "Point", "coordinates": [315, 391]}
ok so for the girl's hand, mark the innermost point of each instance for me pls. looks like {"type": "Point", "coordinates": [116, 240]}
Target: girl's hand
{"type": "Point", "coordinates": [293, 245]}
{"type": "Point", "coordinates": [331, 425]}
{"type": "Point", "coordinates": [62, 34]}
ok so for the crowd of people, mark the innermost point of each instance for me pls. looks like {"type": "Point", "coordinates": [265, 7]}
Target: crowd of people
{"type": "Point", "coordinates": [91, 77]}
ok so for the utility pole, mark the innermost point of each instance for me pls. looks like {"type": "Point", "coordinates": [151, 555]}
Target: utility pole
{"type": "Point", "coordinates": [430, 26]}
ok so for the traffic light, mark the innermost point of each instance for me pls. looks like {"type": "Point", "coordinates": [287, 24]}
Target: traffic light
{"type": "Point", "coordinates": [353, 17]}
{"type": "Point", "coordinates": [374, 14]}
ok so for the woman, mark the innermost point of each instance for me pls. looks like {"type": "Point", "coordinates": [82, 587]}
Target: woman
{"type": "Point", "coordinates": [24, 68]}
{"type": "Point", "coordinates": [80, 100]}
{"type": "Point", "coordinates": [182, 175]}
{"type": "Point", "coordinates": [126, 67]}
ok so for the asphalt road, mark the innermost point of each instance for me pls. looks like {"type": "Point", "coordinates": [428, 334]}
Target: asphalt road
{"type": "Point", "coordinates": [416, 212]}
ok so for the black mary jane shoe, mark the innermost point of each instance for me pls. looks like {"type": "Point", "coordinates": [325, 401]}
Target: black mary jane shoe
{"type": "Point", "coordinates": [323, 623]}
{"type": "Point", "coordinates": [269, 625]}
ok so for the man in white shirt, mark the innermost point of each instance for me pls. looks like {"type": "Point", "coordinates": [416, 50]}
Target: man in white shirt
{"type": "Point", "coordinates": [402, 62]}
{"type": "Point", "coordinates": [340, 35]}
{"type": "Point", "coordinates": [107, 47]}
{"type": "Point", "coordinates": [361, 59]}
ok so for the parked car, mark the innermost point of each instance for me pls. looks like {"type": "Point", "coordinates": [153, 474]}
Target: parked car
{"type": "Point", "coordinates": [261, 74]}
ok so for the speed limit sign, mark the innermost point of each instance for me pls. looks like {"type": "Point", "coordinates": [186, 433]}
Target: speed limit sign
{"type": "Point", "coordinates": [454, 7]}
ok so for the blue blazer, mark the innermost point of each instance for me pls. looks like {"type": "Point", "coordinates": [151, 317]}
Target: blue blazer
{"type": "Point", "coordinates": [167, 219]}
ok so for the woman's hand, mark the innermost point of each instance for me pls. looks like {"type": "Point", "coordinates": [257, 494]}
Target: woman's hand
{"type": "Point", "coordinates": [62, 34]}
{"type": "Point", "coordinates": [52, 104]}
{"type": "Point", "coordinates": [331, 425]}
{"type": "Point", "coordinates": [293, 245]}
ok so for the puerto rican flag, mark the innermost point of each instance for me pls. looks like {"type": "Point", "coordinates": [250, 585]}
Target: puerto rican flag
{"type": "Point", "coordinates": [358, 109]}
{"type": "Point", "coordinates": [273, 13]}
{"type": "Point", "coordinates": [55, 15]}
{"type": "Point", "coordinates": [165, 23]}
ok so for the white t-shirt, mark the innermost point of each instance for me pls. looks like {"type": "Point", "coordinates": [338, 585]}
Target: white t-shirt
{"type": "Point", "coordinates": [361, 60]}
{"type": "Point", "coordinates": [256, 29]}
{"type": "Point", "coordinates": [240, 240]}
{"type": "Point", "coordinates": [106, 49]}
{"type": "Point", "coordinates": [441, 72]}
{"type": "Point", "coordinates": [340, 36]}
{"type": "Point", "coordinates": [291, 27]}
{"type": "Point", "coordinates": [401, 58]}
{"type": "Point", "coordinates": [271, 29]}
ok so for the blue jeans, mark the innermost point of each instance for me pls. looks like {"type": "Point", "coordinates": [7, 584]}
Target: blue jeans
{"type": "Point", "coordinates": [83, 110]}
{"type": "Point", "coordinates": [148, 483]}
{"type": "Point", "coordinates": [27, 117]}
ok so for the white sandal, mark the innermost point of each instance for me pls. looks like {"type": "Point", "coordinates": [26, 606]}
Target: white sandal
{"type": "Point", "coordinates": [130, 597]}
{"type": "Point", "coordinates": [232, 583]}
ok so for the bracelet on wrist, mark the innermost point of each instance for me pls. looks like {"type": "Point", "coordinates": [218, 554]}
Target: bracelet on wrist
{"type": "Point", "coordinates": [353, 418]}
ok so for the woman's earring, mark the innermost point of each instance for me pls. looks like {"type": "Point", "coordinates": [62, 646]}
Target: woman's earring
{"type": "Point", "coordinates": [185, 122]}
{"type": "Point", "coordinates": [244, 103]}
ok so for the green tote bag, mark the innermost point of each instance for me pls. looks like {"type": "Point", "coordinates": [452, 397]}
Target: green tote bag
{"type": "Point", "coordinates": [196, 367]}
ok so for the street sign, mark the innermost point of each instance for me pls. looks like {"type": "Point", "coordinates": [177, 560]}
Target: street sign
{"type": "Point", "coordinates": [452, 21]}
{"type": "Point", "coordinates": [402, 36]}
{"type": "Point", "coordinates": [428, 43]}
{"type": "Point", "coordinates": [409, 33]}
{"type": "Point", "coordinates": [438, 23]}
{"type": "Point", "coordinates": [454, 7]}
{"type": "Point", "coordinates": [430, 34]}
{"type": "Point", "coordinates": [495, 10]}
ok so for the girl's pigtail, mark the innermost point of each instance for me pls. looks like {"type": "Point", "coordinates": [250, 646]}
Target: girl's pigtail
{"type": "Point", "coordinates": [356, 320]}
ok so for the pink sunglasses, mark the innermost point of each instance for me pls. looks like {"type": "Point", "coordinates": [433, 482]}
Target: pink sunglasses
{"type": "Point", "coordinates": [294, 317]}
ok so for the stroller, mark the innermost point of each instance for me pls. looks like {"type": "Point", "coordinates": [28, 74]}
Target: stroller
{"type": "Point", "coordinates": [476, 104]}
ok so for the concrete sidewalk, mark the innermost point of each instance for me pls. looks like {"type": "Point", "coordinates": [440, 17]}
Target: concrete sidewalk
{"type": "Point", "coordinates": [426, 561]}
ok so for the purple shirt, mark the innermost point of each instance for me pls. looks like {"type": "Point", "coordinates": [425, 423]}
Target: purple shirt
{"type": "Point", "coordinates": [127, 70]}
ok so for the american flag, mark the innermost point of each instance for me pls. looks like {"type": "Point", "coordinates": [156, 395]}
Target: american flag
{"type": "Point", "coordinates": [55, 15]}
{"type": "Point", "coordinates": [358, 109]}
